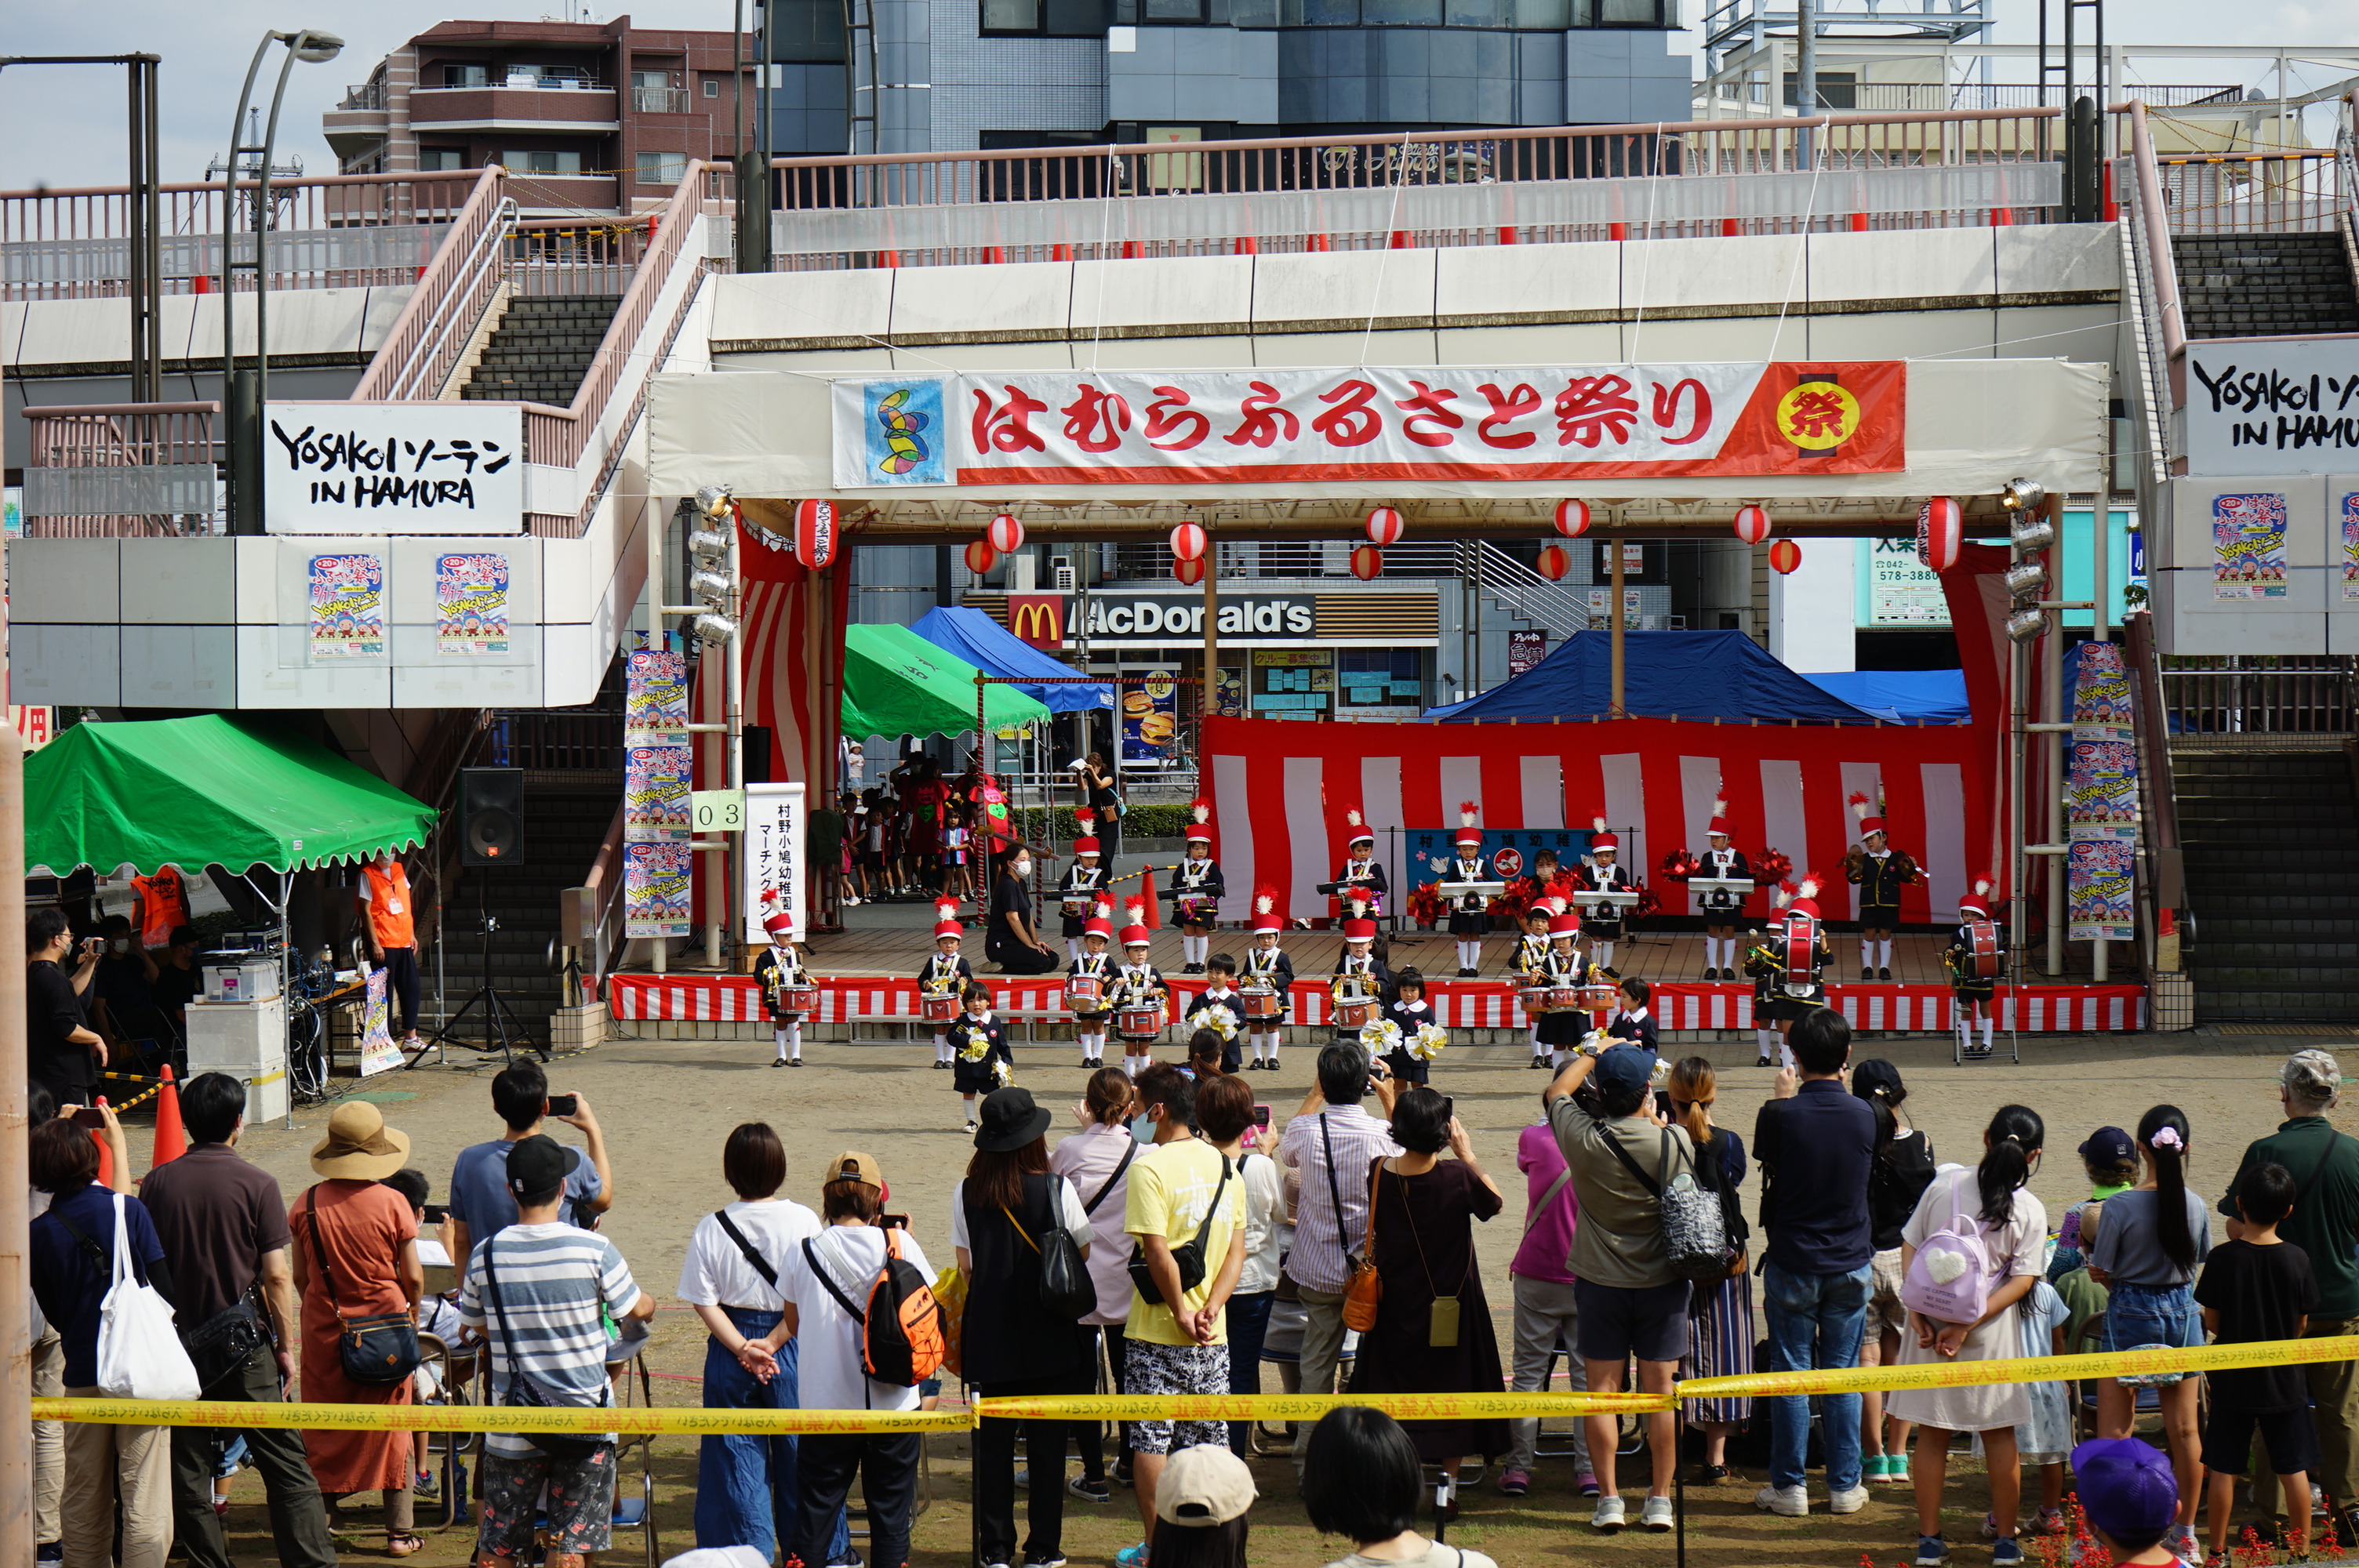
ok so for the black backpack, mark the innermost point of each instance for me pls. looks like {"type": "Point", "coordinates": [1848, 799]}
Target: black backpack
{"type": "Point", "coordinates": [1898, 1177]}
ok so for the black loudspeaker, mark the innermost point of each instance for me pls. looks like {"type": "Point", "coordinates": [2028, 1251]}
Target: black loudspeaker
{"type": "Point", "coordinates": [491, 816]}
{"type": "Point", "coordinates": [756, 740]}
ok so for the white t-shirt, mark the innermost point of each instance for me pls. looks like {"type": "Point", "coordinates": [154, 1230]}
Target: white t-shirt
{"type": "Point", "coordinates": [715, 1273]}
{"type": "Point", "coordinates": [1265, 1208]}
{"type": "Point", "coordinates": [1069, 1215]}
{"type": "Point", "coordinates": [830, 1365]}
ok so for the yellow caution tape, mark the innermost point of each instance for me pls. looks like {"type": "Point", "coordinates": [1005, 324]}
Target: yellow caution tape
{"type": "Point", "coordinates": [630, 1422]}
{"type": "Point", "coordinates": [1308, 1407]}
{"type": "Point", "coordinates": [2024, 1369]}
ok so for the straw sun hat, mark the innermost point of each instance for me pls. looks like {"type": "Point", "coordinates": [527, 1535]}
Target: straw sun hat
{"type": "Point", "coordinates": [359, 1146]}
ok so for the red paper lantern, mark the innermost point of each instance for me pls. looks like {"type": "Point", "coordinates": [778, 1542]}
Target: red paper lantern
{"type": "Point", "coordinates": [1554, 563]}
{"type": "Point", "coordinates": [1189, 572]}
{"type": "Point", "coordinates": [1784, 557]}
{"type": "Point", "coordinates": [1006, 534]}
{"type": "Point", "coordinates": [1572, 518]}
{"type": "Point", "coordinates": [980, 557]}
{"type": "Point", "coordinates": [1384, 526]}
{"type": "Point", "coordinates": [1753, 525]}
{"type": "Point", "coordinates": [815, 524]}
{"type": "Point", "coordinates": [1366, 562]}
{"type": "Point", "coordinates": [1188, 542]}
{"type": "Point", "coordinates": [1940, 530]}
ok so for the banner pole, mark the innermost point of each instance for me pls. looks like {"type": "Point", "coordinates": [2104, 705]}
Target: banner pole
{"type": "Point", "coordinates": [1207, 695]}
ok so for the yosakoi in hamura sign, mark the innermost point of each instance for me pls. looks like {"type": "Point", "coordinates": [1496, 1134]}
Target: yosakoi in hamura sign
{"type": "Point", "coordinates": [368, 473]}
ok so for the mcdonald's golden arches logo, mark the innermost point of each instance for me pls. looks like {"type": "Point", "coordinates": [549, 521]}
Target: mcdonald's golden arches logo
{"type": "Point", "coordinates": [1037, 619]}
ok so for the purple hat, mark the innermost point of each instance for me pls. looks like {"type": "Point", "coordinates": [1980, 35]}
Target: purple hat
{"type": "Point", "coordinates": [2127, 1486]}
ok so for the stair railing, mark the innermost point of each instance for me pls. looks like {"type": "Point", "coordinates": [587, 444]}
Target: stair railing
{"type": "Point", "coordinates": [453, 291]}
{"type": "Point", "coordinates": [2153, 401]}
{"type": "Point", "coordinates": [2161, 270]}
{"type": "Point", "coordinates": [1520, 589]}
{"type": "Point", "coordinates": [2346, 185]}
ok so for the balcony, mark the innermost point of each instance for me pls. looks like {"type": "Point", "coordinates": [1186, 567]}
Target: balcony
{"type": "Point", "coordinates": [543, 107]}
{"type": "Point", "coordinates": [660, 100]}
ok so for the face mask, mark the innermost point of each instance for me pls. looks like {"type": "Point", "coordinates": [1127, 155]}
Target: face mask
{"type": "Point", "coordinates": [1022, 867]}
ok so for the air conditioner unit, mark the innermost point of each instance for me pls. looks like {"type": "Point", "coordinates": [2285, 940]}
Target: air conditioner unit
{"type": "Point", "coordinates": [1061, 573]}
{"type": "Point", "coordinates": [1675, 622]}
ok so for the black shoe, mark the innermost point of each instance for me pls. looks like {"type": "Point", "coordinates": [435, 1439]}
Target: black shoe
{"type": "Point", "coordinates": [1089, 1491]}
{"type": "Point", "coordinates": [794, 1062]}
{"type": "Point", "coordinates": [780, 1063]}
{"type": "Point", "coordinates": [1761, 1062]}
{"type": "Point", "coordinates": [1468, 974]}
{"type": "Point", "coordinates": [1883, 974]}
{"type": "Point", "coordinates": [1865, 973]}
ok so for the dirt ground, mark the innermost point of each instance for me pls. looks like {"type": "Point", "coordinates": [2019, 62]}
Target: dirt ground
{"type": "Point", "coordinates": [667, 1106]}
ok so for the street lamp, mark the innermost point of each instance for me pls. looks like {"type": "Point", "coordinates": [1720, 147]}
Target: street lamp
{"type": "Point", "coordinates": [245, 395]}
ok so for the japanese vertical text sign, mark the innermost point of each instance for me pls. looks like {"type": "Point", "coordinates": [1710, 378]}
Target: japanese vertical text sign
{"type": "Point", "coordinates": [1424, 424]}
{"type": "Point", "coordinates": [393, 468]}
{"type": "Point", "coordinates": [2101, 799]}
{"type": "Point", "coordinates": [776, 866]}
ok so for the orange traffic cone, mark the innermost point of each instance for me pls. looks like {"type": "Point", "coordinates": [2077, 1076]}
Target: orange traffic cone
{"type": "Point", "coordinates": [171, 1141]}
{"type": "Point", "coordinates": [1154, 921]}
{"type": "Point", "coordinates": [105, 1158]}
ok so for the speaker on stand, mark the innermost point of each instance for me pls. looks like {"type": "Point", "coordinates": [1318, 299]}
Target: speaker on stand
{"type": "Point", "coordinates": [490, 833]}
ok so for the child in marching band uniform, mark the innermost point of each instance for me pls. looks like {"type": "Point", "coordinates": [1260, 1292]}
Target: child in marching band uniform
{"type": "Point", "coordinates": [1358, 968]}
{"type": "Point", "coordinates": [1971, 994]}
{"type": "Point", "coordinates": [1220, 990]}
{"type": "Point", "coordinates": [1602, 923]}
{"type": "Point", "coordinates": [781, 965]}
{"type": "Point", "coordinates": [984, 1060]}
{"type": "Point", "coordinates": [1196, 890]}
{"type": "Point", "coordinates": [1094, 963]}
{"type": "Point", "coordinates": [1267, 964]}
{"type": "Point", "coordinates": [1084, 880]}
{"type": "Point", "coordinates": [1360, 876]}
{"type": "Point", "coordinates": [946, 973]}
{"type": "Point", "coordinates": [1563, 1029]}
{"type": "Point", "coordinates": [1410, 1011]}
{"type": "Point", "coordinates": [1531, 958]}
{"type": "Point", "coordinates": [1469, 913]}
{"type": "Point", "coordinates": [1779, 995]}
{"type": "Point", "coordinates": [1720, 910]}
{"type": "Point", "coordinates": [1139, 984]}
{"type": "Point", "coordinates": [1879, 872]}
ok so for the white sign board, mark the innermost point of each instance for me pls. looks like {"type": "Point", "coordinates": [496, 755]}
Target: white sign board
{"type": "Point", "coordinates": [778, 864]}
{"type": "Point", "coordinates": [393, 468]}
{"type": "Point", "coordinates": [2273, 408]}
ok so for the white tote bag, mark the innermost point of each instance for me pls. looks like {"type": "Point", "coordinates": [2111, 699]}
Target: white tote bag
{"type": "Point", "coordinates": [139, 1354]}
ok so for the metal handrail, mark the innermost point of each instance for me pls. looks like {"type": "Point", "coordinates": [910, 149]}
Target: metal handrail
{"type": "Point", "coordinates": [1561, 610]}
{"type": "Point", "coordinates": [2153, 378]}
{"type": "Point", "coordinates": [2156, 223]}
{"type": "Point", "coordinates": [427, 317]}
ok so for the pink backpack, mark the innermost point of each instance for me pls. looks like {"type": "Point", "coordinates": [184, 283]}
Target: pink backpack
{"type": "Point", "coordinates": [1950, 1277]}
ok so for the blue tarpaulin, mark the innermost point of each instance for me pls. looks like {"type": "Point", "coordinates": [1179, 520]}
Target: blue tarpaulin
{"type": "Point", "coordinates": [982, 642]}
{"type": "Point", "coordinates": [1909, 696]}
{"type": "Point", "coordinates": [1691, 675]}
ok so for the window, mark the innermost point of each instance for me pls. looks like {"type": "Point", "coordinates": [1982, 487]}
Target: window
{"type": "Point", "coordinates": [644, 80]}
{"type": "Point", "coordinates": [1837, 89]}
{"type": "Point", "coordinates": [1379, 677]}
{"type": "Point", "coordinates": [466, 76]}
{"type": "Point", "coordinates": [542, 162]}
{"type": "Point", "coordinates": [1068, 18]}
{"type": "Point", "coordinates": [1185, 11]}
{"type": "Point", "coordinates": [662, 168]}
{"type": "Point", "coordinates": [711, 88]}
{"type": "Point", "coordinates": [1011, 16]}
{"type": "Point", "coordinates": [1626, 14]}
{"type": "Point", "coordinates": [441, 157]}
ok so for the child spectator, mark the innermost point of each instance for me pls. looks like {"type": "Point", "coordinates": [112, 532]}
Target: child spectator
{"type": "Point", "coordinates": [2110, 1156]}
{"type": "Point", "coordinates": [2259, 1287]}
{"type": "Point", "coordinates": [1547, 1314]}
{"type": "Point", "coordinates": [2047, 1437]}
{"type": "Point", "coordinates": [2130, 1497]}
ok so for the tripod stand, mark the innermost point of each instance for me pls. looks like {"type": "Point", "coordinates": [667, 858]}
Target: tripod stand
{"type": "Point", "coordinates": [498, 1017]}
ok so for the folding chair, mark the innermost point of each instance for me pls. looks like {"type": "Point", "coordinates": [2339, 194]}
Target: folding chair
{"type": "Point", "coordinates": [455, 1370]}
{"type": "Point", "coordinates": [634, 1388]}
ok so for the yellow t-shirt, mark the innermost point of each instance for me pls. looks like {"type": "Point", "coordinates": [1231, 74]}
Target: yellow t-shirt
{"type": "Point", "coordinates": [1170, 1190]}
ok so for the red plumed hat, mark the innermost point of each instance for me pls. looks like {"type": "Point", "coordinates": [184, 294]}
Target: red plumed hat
{"type": "Point", "coordinates": [1871, 816]}
{"type": "Point", "coordinates": [1599, 838]}
{"type": "Point", "coordinates": [946, 918]}
{"type": "Point", "coordinates": [1468, 833]}
{"type": "Point", "coordinates": [1266, 916]}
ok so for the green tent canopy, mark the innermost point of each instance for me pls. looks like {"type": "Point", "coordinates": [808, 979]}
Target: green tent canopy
{"type": "Point", "coordinates": [896, 683]}
{"type": "Point", "coordinates": [209, 790]}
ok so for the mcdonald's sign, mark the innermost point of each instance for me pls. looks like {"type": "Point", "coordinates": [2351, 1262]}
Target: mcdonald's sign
{"type": "Point", "coordinates": [1037, 619]}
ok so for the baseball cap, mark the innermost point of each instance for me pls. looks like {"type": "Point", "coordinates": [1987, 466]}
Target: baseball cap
{"type": "Point", "coordinates": [2109, 1146]}
{"type": "Point", "coordinates": [1624, 1067]}
{"type": "Point", "coordinates": [536, 1165]}
{"type": "Point", "coordinates": [2127, 1486]}
{"type": "Point", "coordinates": [853, 1166]}
{"type": "Point", "coordinates": [1202, 1485]}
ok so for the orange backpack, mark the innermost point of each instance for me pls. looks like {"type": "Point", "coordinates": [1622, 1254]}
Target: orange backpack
{"type": "Point", "coordinates": [903, 1336]}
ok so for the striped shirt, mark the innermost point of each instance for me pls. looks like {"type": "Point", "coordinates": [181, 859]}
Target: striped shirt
{"type": "Point", "coordinates": [553, 1281]}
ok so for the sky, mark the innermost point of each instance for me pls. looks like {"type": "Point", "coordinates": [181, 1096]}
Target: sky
{"type": "Point", "coordinates": [63, 126]}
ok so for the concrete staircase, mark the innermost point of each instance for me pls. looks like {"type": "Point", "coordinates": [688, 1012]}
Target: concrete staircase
{"type": "Point", "coordinates": [566, 816]}
{"type": "Point", "coordinates": [2272, 861]}
{"type": "Point", "coordinates": [2246, 286]}
{"type": "Point", "coordinates": [542, 348]}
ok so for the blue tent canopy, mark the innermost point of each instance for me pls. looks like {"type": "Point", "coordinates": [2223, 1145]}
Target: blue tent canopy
{"type": "Point", "coordinates": [1908, 696]}
{"type": "Point", "coordinates": [982, 642]}
{"type": "Point", "coordinates": [1691, 675]}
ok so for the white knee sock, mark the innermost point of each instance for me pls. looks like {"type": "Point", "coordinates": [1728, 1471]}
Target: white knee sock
{"type": "Point", "coordinates": [1867, 954]}
{"type": "Point", "coordinates": [942, 1047]}
{"type": "Point", "coordinates": [1884, 953]}
{"type": "Point", "coordinates": [1273, 1048]}
{"type": "Point", "coordinates": [1986, 1030]}
{"type": "Point", "coordinates": [1763, 1039]}
{"type": "Point", "coordinates": [1534, 1031]}
{"type": "Point", "coordinates": [1785, 1055]}
{"type": "Point", "coordinates": [1072, 949]}
{"type": "Point", "coordinates": [779, 1035]}
{"type": "Point", "coordinates": [1130, 1065]}
{"type": "Point", "coordinates": [966, 1110]}
{"type": "Point", "coordinates": [1604, 954]}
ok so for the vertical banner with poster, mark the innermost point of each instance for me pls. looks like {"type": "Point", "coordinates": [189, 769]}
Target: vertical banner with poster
{"type": "Point", "coordinates": [655, 793]}
{"type": "Point", "coordinates": [776, 864]}
{"type": "Point", "coordinates": [654, 698]}
{"type": "Point", "coordinates": [2248, 546]}
{"type": "Point", "coordinates": [377, 1052]}
{"type": "Point", "coordinates": [655, 887]}
{"type": "Point", "coordinates": [348, 606]}
{"type": "Point", "coordinates": [470, 603]}
{"type": "Point", "coordinates": [2101, 798]}
{"type": "Point", "coordinates": [1150, 720]}
{"type": "Point", "coordinates": [1229, 693]}
{"type": "Point", "coordinates": [1526, 649]}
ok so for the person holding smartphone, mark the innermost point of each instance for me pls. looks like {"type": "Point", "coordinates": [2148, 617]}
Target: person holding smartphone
{"type": "Point", "coordinates": [62, 1053]}
{"type": "Point", "coordinates": [481, 1205]}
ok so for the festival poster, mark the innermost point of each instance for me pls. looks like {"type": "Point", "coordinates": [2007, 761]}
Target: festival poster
{"type": "Point", "coordinates": [654, 698]}
{"type": "Point", "coordinates": [2099, 877]}
{"type": "Point", "coordinates": [470, 603]}
{"type": "Point", "coordinates": [776, 865]}
{"type": "Point", "coordinates": [655, 793]}
{"type": "Point", "coordinates": [2351, 545]}
{"type": "Point", "coordinates": [2248, 546]}
{"type": "Point", "coordinates": [348, 607]}
{"type": "Point", "coordinates": [656, 888]}
{"type": "Point", "coordinates": [378, 1053]}
{"type": "Point", "coordinates": [1150, 720]}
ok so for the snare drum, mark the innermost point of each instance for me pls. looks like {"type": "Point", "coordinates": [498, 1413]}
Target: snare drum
{"type": "Point", "coordinates": [939, 1008]}
{"type": "Point", "coordinates": [1259, 1001]}
{"type": "Point", "coordinates": [1536, 1000]}
{"type": "Point", "coordinates": [798, 998]}
{"type": "Point", "coordinates": [1084, 993]}
{"type": "Point", "coordinates": [1354, 1014]}
{"type": "Point", "coordinates": [1592, 999]}
{"type": "Point", "coordinates": [1138, 1023]}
